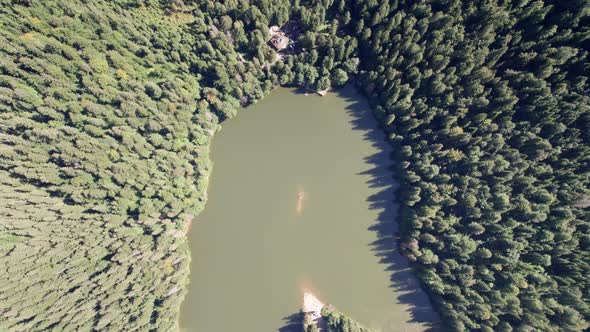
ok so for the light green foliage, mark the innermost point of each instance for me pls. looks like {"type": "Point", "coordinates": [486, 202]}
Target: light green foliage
{"type": "Point", "coordinates": [106, 112]}
{"type": "Point", "coordinates": [339, 77]}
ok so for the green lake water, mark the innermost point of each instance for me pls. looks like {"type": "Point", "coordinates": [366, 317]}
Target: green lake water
{"type": "Point", "coordinates": [253, 253]}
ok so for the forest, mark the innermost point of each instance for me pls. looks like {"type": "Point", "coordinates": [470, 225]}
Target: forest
{"type": "Point", "coordinates": [107, 109]}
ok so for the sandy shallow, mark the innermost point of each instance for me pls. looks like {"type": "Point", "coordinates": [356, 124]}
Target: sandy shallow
{"type": "Point", "coordinates": [312, 307]}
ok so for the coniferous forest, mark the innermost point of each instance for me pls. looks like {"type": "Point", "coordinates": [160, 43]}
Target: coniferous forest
{"type": "Point", "coordinates": [107, 109]}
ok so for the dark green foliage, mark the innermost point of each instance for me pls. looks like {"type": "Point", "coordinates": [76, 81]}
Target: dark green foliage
{"type": "Point", "coordinates": [319, 56]}
{"type": "Point", "coordinates": [337, 322]}
{"type": "Point", "coordinates": [488, 105]}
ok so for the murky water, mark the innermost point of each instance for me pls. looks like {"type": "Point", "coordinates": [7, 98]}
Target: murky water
{"type": "Point", "coordinates": [300, 198]}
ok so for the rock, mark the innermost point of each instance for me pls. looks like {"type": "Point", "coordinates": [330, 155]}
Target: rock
{"type": "Point", "coordinates": [173, 290]}
{"type": "Point", "coordinates": [312, 308]}
{"type": "Point", "coordinates": [273, 30]}
{"type": "Point", "coordinates": [312, 305]}
{"type": "Point", "coordinates": [279, 41]}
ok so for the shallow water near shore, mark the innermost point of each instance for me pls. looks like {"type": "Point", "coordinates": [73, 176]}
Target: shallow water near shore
{"type": "Point", "coordinates": [300, 198]}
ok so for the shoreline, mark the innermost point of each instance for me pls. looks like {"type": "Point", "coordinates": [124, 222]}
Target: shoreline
{"type": "Point", "coordinates": [312, 310]}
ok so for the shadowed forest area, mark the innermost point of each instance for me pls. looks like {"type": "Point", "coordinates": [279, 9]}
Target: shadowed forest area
{"type": "Point", "coordinates": [403, 281]}
{"type": "Point", "coordinates": [293, 323]}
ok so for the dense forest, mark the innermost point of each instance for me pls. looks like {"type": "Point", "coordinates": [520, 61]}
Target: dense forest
{"type": "Point", "coordinates": [488, 106]}
{"type": "Point", "coordinates": [107, 109]}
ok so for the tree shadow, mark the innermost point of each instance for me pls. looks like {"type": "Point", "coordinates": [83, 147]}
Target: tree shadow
{"type": "Point", "coordinates": [404, 283]}
{"type": "Point", "coordinates": [292, 323]}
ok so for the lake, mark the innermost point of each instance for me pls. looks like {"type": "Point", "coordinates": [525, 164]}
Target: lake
{"type": "Point", "coordinates": [301, 197]}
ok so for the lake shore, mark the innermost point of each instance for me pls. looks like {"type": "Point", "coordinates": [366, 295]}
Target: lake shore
{"type": "Point", "coordinates": [312, 308]}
